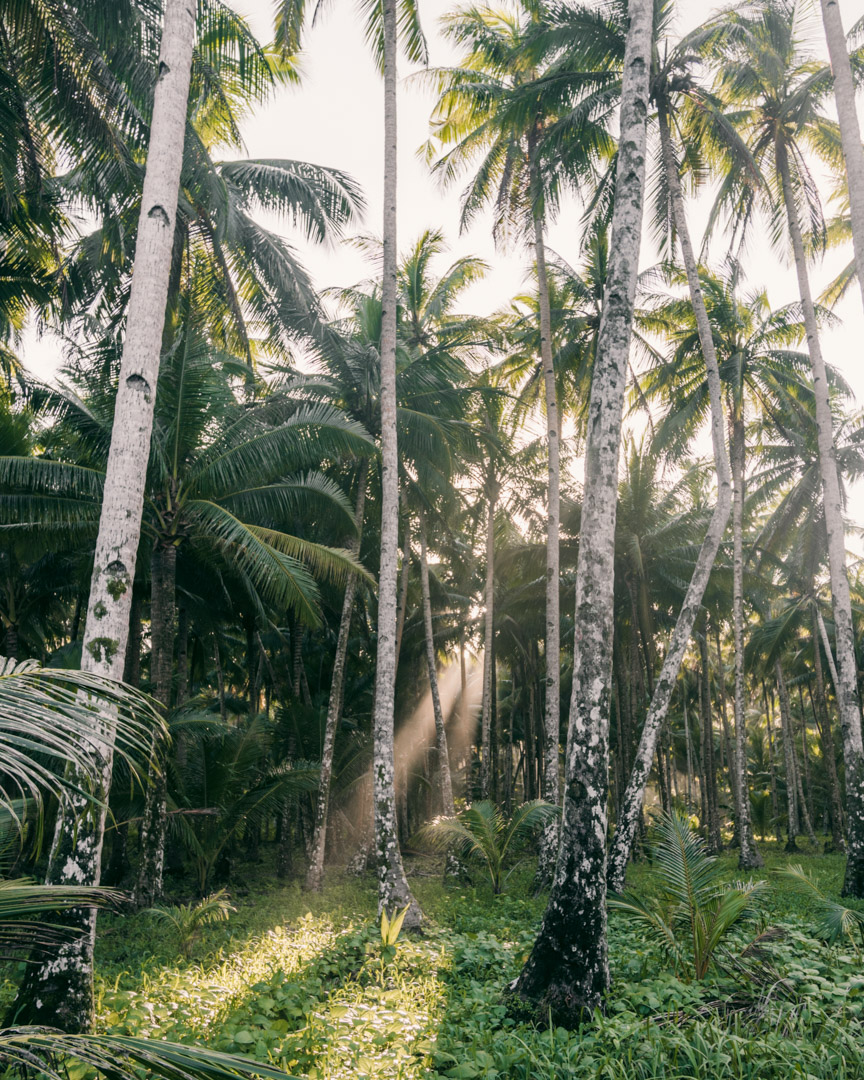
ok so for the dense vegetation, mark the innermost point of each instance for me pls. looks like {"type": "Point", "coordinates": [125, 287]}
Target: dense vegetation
{"type": "Point", "coordinates": [298, 587]}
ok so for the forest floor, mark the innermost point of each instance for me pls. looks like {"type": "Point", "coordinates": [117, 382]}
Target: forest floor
{"type": "Point", "coordinates": [302, 980]}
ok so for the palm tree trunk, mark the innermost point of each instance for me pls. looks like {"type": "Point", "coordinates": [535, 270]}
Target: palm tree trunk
{"type": "Point", "coordinates": [847, 684]}
{"type": "Point", "coordinates": [151, 865]}
{"type": "Point", "coordinates": [567, 972]}
{"type": "Point", "coordinates": [748, 855]}
{"type": "Point", "coordinates": [60, 990]}
{"type": "Point", "coordinates": [631, 810]}
{"type": "Point", "coordinates": [772, 764]}
{"type": "Point", "coordinates": [850, 131]}
{"type": "Point", "coordinates": [823, 721]}
{"type": "Point", "coordinates": [788, 758]}
{"type": "Point", "coordinates": [486, 777]}
{"type": "Point", "coordinates": [552, 719]}
{"type": "Point", "coordinates": [393, 891]}
{"type": "Point", "coordinates": [448, 807]}
{"type": "Point", "coordinates": [709, 769]}
{"type": "Point", "coordinates": [403, 588]}
{"type": "Point", "coordinates": [315, 873]}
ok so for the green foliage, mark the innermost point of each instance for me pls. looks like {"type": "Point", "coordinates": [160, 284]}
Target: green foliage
{"type": "Point", "coordinates": [482, 830]}
{"type": "Point", "coordinates": [305, 989]}
{"type": "Point", "coordinates": [186, 920]}
{"type": "Point", "coordinates": [836, 921]}
{"type": "Point", "coordinates": [690, 913]}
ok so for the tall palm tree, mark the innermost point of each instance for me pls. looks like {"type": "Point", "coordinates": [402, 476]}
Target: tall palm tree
{"type": "Point", "coordinates": [683, 106]}
{"type": "Point", "coordinates": [850, 129]}
{"type": "Point", "coordinates": [757, 367]}
{"type": "Point", "coordinates": [494, 107]}
{"type": "Point", "coordinates": [774, 89]}
{"type": "Point", "coordinates": [568, 970]}
{"type": "Point", "coordinates": [64, 986]}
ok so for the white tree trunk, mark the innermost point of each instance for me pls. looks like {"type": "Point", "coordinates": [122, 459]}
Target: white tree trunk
{"type": "Point", "coordinates": [847, 682]}
{"type": "Point", "coordinates": [315, 873]}
{"type": "Point", "coordinates": [393, 891]}
{"type": "Point", "coordinates": [552, 718]}
{"type": "Point", "coordinates": [60, 990]}
{"type": "Point", "coordinates": [631, 806]}
{"type": "Point", "coordinates": [567, 972]}
{"type": "Point", "coordinates": [448, 807]}
{"type": "Point", "coordinates": [850, 129]}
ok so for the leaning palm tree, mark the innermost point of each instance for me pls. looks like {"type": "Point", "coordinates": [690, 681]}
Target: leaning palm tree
{"type": "Point", "coordinates": [494, 109]}
{"type": "Point", "coordinates": [774, 89]}
{"type": "Point", "coordinates": [568, 969]}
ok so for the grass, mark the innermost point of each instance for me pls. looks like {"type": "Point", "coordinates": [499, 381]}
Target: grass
{"type": "Point", "coordinates": [301, 980]}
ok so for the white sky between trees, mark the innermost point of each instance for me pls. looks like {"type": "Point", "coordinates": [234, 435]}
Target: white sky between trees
{"type": "Point", "coordinates": [335, 118]}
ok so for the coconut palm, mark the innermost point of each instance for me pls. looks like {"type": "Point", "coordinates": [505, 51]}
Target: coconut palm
{"type": "Point", "coordinates": [568, 967]}
{"type": "Point", "coordinates": [493, 109]}
{"type": "Point", "coordinates": [850, 130]}
{"type": "Point", "coordinates": [774, 89]}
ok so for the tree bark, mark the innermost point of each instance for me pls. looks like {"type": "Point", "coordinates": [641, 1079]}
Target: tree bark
{"type": "Point", "coordinates": [393, 891]}
{"type": "Point", "coordinates": [850, 130]}
{"type": "Point", "coordinates": [486, 777]}
{"type": "Point", "coordinates": [60, 990]}
{"type": "Point", "coordinates": [552, 719]}
{"type": "Point", "coordinates": [567, 972]}
{"type": "Point", "coordinates": [847, 684]}
{"type": "Point", "coordinates": [315, 873]}
{"type": "Point", "coordinates": [631, 810]}
{"type": "Point", "coordinates": [448, 807]}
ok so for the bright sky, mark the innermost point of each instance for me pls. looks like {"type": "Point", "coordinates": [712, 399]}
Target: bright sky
{"type": "Point", "coordinates": [335, 118]}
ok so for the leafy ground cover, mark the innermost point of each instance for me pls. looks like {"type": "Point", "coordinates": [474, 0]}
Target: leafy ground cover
{"type": "Point", "coordinates": [303, 981]}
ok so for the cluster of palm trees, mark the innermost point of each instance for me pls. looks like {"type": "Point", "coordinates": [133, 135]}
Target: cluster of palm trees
{"type": "Point", "coordinates": [293, 516]}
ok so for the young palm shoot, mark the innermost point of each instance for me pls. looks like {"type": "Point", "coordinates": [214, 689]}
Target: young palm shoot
{"type": "Point", "coordinates": [482, 830]}
{"type": "Point", "coordinates": [690, 912]}
{"type": "Point", "coordinates": [187, 920]}
{"type": "Point", "coordinates": [836, 921]}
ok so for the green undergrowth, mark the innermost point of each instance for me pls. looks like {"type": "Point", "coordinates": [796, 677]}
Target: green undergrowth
{"type": "Point", "coordinates": [302, 981]}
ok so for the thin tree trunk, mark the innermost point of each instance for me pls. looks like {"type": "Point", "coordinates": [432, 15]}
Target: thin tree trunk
{"type": "Point", "coordinates": [151, 865]}
{"type": "Point", "coordinates": [486, 777]}
{"type": "Point", "coordinates": [748, 854]}
{"type": "Point", "coordinates": [805, 753]}
{"type": "Point", "coordinates": [59, 991]}
{"type": "Point", "coordinates": [724, 718]}
{"type": "Point", "coordinates": [448, 807]}
{"type": "Point", "coordinates": [552, 719]}
{"type": "Point", "coordinates": [393, 891]}
{"type": "Point", "coordinates": [404, 576]}
{"type": "Point", "coordinates": [769, 727]}
{"type": "Point", "coordinates": [788, 758]}
{"type": "Point", "coordinates": [132, 664]}
{"type": "Point", "coordinates": [567, 972]}
{"type": "Point", "coordinates": [823, 720]}
{"type": "Point", "coordinates": [850, 130]}
{"type": "Point", "coordinates": [181, 692]}
{"type": "Point", "coordinates": [709, 769]}
{"type": "Point", "coordinates": [847, 684]}
{"type": "Point", "coordinates": [315, 873]}
{"type": "Point", "coordinates": [631, 810]}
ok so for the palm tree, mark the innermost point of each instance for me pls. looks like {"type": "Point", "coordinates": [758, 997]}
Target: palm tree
{"type": "Point", "coordinates": [850, 130]}
{"type": "Point", "coordinates": [567, 970]}
{"type": "Point", "coordinates": [757, 368]}
{"type": "Point", "coordinates": [495, 106]}
{"type": "Point", "coordinates": [680, 102]}
{"type": "Point", "coordinates": [775, 89]}
{"type": "Point", "coordinates": [65, 986]}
